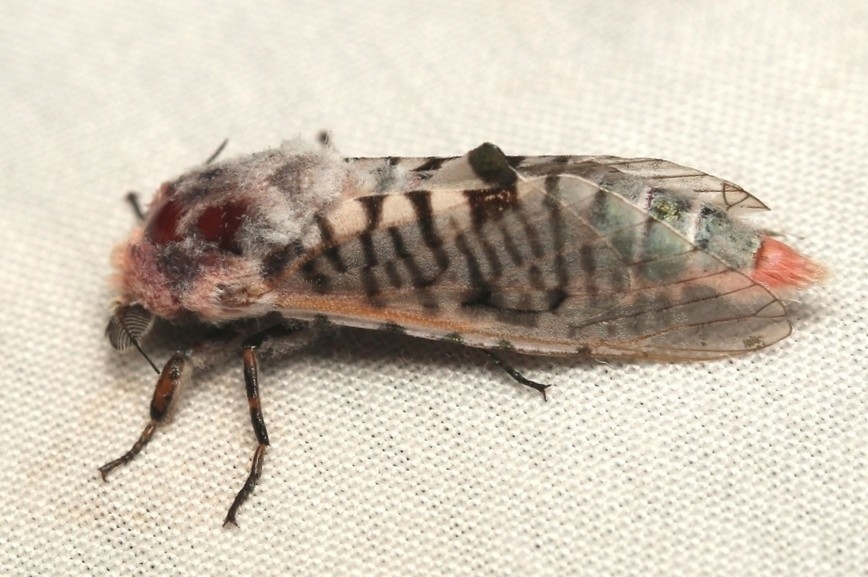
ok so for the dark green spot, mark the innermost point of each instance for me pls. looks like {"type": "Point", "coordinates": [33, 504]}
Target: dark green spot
{"type": "Point", "coordinates": [753, 342]}
{"type": "Point", "coordinates": [491, 165]}
{"type": "Point", "coordinates": [669, 209]}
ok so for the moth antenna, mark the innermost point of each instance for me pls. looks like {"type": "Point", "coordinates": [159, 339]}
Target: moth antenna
{"type": "Point", "coordinates": [127, 324]}
{"type": "Point", "coordinates": [217, 152]}
{"type": "Point", "coordinates": [147, 358]}
{"type": "Point", "coordinates": [133, 198]}
{"type": "Point", "coordinates": [325, 138]}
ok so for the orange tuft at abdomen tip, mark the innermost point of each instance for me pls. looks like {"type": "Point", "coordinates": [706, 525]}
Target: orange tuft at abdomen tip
{"type": "Point", "coordinates": [779, 267]}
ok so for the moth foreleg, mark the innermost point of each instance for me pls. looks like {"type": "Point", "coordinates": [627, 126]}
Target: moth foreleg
{"type": "Point", "coordinates": [175, 373]}
{"type": "Point", "coordinates": [542, 388]}
{"type": "Point", "coordinates": [251, 384]}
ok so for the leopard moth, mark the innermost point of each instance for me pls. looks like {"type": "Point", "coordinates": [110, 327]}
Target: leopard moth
{"type": "Point", "coordinates": [597, 256]}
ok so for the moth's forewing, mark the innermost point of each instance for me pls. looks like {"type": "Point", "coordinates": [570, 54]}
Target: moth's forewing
{"type": "Point", "coordinates": [556, 262]}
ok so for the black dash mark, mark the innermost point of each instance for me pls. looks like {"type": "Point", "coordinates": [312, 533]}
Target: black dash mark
{"type": "Point", "coordinates": [373, 206]}
{"type": "Point", "coordinates": [483, 298]}
{"type": "Point", "coordinates": [421, 201]}
{"type": "Point", "coordinates": [432, 164]}
{"type": "Point", "coordinates": [588, 262]}
{"type": "Point", "coordinates": [536, 277]}
{"type": "Point", "coordinates": [552, 186]}
{"type": "Point", "coordinates": [702, 236]}
{"type": "Point", "coordinates": [518, 318]}
{"type": "Point", "coordinates": [530, 232]}
{"type": "Point", "coordinates": [368, 250]}
{"type": "Point", "coordinates": [510, 248]}
{"type": "Point", "coordinates": [417, 279]}
{"type": "Point", "coordinates": [477, 280]}
{"type": "Point", "coordinates": [555, 298]}
{"type": "Point", "coordinates": [490, 256]}
{"type": "Point", "coordinates": [317, 280]}
{"type": "Point", "coordinates": [478, 297]}
{"type": "Point", "coordinates": [515, 161]}
{"type": "Point", "coordinates": [398, 243]}
{"type": "Point", "coordinates": [371, 287]}
{"type": "Point", "coordinates": [332, 251]}
{"type": "Point", "coordinates": [491, 165]}
{"type": "Point", "coordinates": [428, 301]}
{"type": "Point", "coordinates": [394, 276]}
{"type": "Point", "coordinates": [490, 204]}
{"type": "Point", "coordinates": [599, 211]}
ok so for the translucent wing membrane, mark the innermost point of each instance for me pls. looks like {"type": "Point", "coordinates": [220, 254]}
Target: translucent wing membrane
{"type": "Point", "coordinates": [557, 263]}
{"type": "Point", "coordinates": [659, 174]}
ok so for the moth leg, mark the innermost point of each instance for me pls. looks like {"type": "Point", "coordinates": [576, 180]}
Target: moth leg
{"type": "Point", "coordinates": [542, 388]}
{"type": "Point", "coordinates": [285, 339]}
{"type": "Point", "coordinates": [175, 373]}
{"type": "Point", "coordinates": [251, 383]}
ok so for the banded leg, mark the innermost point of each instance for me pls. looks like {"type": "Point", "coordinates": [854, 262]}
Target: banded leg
{"type": "Point", "coordinates": [251, 384]}
{"type": "Point", "coordinates": [542, 388]}
{"type": "Point", "coordinates": [284, 338]}
{"type": "Point", "coordinates": [175, 374]}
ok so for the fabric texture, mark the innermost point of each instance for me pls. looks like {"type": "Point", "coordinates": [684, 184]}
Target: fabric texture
{"type": "Point", "coordinates": [394, 456]}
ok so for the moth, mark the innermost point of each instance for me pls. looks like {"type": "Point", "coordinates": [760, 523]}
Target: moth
{"type": "Point", "coordinates": [596, 256]}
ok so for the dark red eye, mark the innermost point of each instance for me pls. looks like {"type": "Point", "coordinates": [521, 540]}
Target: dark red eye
{"type": "Point", "coordinates": [163, 227]}
{"type": "Point", "coordinates": [220, 223]}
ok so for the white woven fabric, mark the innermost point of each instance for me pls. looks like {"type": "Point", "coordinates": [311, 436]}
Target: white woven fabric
{"type": "Point", "coordinates": [399, 457]}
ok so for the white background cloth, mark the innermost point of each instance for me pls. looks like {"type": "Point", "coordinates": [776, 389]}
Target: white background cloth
{"type": "Point", "coordinates": [392, 456]}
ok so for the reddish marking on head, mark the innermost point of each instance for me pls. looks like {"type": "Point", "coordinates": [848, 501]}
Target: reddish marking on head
{"type": "Point", "coordinates": [163, 226]}
{"type": "Point", "coordinates": [778, 266]}
{"type": "Point", "coordinates": [220, 223]}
